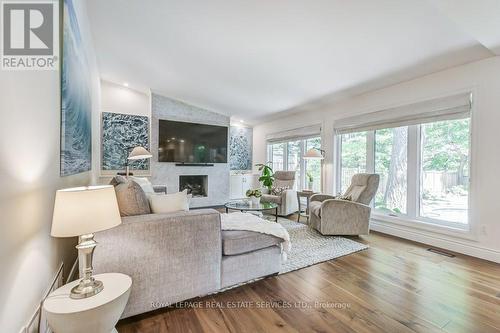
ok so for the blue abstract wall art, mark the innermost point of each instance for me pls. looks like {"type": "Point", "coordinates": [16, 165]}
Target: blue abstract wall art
{"type": "Point", "coordinates": [240, 148]}
{"type": "Point", "coordinates": [120, 132]}
{"type": "Point", "coordinates": [76, 102]}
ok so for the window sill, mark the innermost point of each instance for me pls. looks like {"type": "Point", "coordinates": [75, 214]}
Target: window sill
{"type": "Point", "coordinates": [410, 223]}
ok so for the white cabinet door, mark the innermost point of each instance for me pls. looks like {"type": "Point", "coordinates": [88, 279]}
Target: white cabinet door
{"type": "Point", "coordinates": [236, 187]}
{"type": "Point", "coordinates": [247, 184]}
{"type": "Point", "coordinates": [239, 184]}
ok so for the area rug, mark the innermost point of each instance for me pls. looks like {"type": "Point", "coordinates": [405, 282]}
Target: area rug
{"type": "Point", "coordinates": [309, 247]}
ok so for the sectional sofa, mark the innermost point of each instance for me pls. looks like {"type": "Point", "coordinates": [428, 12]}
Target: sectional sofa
{"type": "Point", "coordinates": [177, 256]}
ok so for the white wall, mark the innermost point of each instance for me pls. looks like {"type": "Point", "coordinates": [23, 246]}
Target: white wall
{"type": "Point", "coordinates": [117, 98]}
{"type": "Point", "coordinates": [483, 79]}
{"type": "Point", "coordinates": [120, 99]}
{"type": "Point", "coordinates": [29, 177]}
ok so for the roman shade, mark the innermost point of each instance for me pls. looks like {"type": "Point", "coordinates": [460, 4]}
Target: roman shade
{"type": "Point", "coordinates": [445, 108]}
{"type": "Point", "coordinates": [297, 133]}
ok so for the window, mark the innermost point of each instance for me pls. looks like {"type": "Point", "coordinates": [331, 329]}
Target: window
{"type": "Point", "coordinates": [293, 159]}
{"type": "Point", "coordinates": [423, 168]}
{"type": "Point", "coordinates": [391, 163]}
{"type": "Point", "coordinates": [313, 167]}
{"type": "Point", "coordinates": [353, 157]}
{"type": "Point", "coordinates": [277, 155]}
{"type": "Point", "coordinates": [288, 155]}
{"type": "Point", "coordinates": [444, 170]}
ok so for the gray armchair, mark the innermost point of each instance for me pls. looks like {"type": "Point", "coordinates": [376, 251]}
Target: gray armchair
{"type": "Point", "coordinates": [332, 216]}
{"type": "Point", "coordinates": [287, 201]}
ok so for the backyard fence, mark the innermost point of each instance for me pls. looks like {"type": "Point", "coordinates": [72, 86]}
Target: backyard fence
{"type": "Point", "coordinates": [433, 181]}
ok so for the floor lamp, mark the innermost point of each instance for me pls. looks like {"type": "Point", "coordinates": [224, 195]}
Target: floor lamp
{"type": "Point", "coordinates": [138, 153]}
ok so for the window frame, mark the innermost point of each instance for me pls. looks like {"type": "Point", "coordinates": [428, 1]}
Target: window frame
{"type": "Point", "coordinates": [414, 180]}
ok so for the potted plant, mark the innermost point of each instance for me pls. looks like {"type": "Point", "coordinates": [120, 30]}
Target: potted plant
{"type": "Point", "coordinates": [267, 176]}
{"type": "Point", "coordinates": [254, 196]}
{"type": "Point", "coordinates": [310, 180]}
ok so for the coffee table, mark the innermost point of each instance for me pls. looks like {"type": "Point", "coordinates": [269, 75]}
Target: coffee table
{"type": "Point", "coordinates": [247, 206]}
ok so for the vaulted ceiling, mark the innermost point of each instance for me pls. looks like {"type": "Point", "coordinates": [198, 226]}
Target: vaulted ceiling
{"type": "Point", "coordinates": [254, 59]}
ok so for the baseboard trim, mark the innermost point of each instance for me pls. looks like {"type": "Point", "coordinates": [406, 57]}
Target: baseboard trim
{"type": "Point", "coordinates": [435, 240]}
{"type": "Point", "coordinates": [37, 322]}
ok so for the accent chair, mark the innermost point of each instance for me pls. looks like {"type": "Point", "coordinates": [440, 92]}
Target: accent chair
{"type": "Point", "coordinates": [287, 199]}
{"type": "Point", "coordinates": [332, 215]}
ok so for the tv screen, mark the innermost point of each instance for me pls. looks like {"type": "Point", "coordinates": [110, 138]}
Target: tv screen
{"type": "Point", "coordinates": [183, 142]}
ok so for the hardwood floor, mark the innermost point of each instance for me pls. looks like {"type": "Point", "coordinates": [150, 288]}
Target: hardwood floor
{"type": "Point", "coordinates": [394, 286]}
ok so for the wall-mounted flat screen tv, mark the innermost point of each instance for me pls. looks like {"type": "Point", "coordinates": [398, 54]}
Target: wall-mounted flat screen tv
{"type": "Point", "coordinates": [183, 142]}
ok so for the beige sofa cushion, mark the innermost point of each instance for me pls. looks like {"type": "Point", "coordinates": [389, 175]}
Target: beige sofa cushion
{"type": "Point", "coordinates": [242, 241]}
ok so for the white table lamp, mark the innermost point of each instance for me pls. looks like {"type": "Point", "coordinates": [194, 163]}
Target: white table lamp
{"type": "Point", "coordinates": [81, 211]}
{"type": "Point", "coordinates": [138, 153]}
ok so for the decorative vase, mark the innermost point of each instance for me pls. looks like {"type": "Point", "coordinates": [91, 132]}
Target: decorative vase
{"type": "Point", "coordinates": [254, 201]}
{"type": "Point", "coordinates": [310, 185]}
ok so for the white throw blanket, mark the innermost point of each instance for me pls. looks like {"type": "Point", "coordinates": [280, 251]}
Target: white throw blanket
{"type": "Point", "coordinates": [250, 222]}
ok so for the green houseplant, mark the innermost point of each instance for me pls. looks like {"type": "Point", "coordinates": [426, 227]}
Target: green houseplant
{"type": "Point", "coordinates": [267, 176]}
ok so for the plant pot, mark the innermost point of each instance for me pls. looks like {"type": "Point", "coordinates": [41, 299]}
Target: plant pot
{"type": "Point", "coordinates": [310, 185]}
{"type": "Point", "coordinates": [254, 201]}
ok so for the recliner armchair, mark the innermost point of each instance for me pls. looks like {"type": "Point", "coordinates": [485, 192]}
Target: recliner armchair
{"type": "Point", "coordinates": [287, 200]}
{"type": "Point", "coordinates": [333, 216]}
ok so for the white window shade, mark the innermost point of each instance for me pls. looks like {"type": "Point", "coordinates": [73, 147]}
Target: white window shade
{"type": "Point", "coordinates": [445, 108]}
{"type": "Point", "coordinates": [297, 133]}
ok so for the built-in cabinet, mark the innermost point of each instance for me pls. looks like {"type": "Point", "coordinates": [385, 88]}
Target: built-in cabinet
{"type": "Point", "coordinates": [240, 183]}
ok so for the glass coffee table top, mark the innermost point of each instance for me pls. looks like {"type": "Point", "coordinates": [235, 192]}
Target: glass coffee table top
{"type": "Point", "coordinates": [247, 205]}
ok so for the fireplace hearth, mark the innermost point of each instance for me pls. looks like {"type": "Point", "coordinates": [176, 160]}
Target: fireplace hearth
{"type": "Point", "coordinates": [196, 185]}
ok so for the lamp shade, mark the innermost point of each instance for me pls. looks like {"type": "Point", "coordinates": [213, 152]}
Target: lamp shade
{"type": "Point", "coordinates": [84, 210]}
{"type": "Point", "coordinates": [139, 153]}
{"type": "Point", "coordinates": [314, 153]}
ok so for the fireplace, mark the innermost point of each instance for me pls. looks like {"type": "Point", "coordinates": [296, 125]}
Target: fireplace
{"type": "Point", "coordinates": [195, 185]}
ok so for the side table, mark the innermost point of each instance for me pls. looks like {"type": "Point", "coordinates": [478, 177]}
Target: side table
{"type": "Point", "coordinates": [97, 314]}
{"type": "Point", "coordinates": [304, 194]}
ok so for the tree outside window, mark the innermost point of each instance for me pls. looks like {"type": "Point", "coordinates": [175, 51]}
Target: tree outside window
{"type": "Point", "coordinates": [353, 157]}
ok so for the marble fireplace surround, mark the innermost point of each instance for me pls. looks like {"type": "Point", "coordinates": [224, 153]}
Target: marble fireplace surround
{"type": "Point", "coordinates": [168, 173]}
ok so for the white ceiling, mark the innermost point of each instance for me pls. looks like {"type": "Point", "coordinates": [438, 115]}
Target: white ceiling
{"type": "Point", "coordinates": [256, 59]}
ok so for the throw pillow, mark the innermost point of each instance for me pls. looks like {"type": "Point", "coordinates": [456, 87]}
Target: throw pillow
{"type": "Point", "coordinates": [169, 203]}
{"type": "Point", "coordinates": [145, 184]}
{"type": "Point", "coordinates": [118, 180]}
{"type": "Point", "coordinates": [279, 190]}
{"type": "Point", "coordinates": [344, 197]}
{"type": "Point", "coordinates": [131, 199]}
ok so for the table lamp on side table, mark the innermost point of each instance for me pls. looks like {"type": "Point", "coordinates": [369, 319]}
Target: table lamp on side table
{"type": "Point", "coordinates": [80, 212]}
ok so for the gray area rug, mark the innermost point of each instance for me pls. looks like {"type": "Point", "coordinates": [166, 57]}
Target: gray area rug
{"type": "Point", "coordinates": [309, 247]}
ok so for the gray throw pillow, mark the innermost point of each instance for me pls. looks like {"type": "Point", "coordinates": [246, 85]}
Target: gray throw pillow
{"type": "Point", "coordinates": [131, 198]}
{"type": "Point", "coordinates": [118, 180]}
